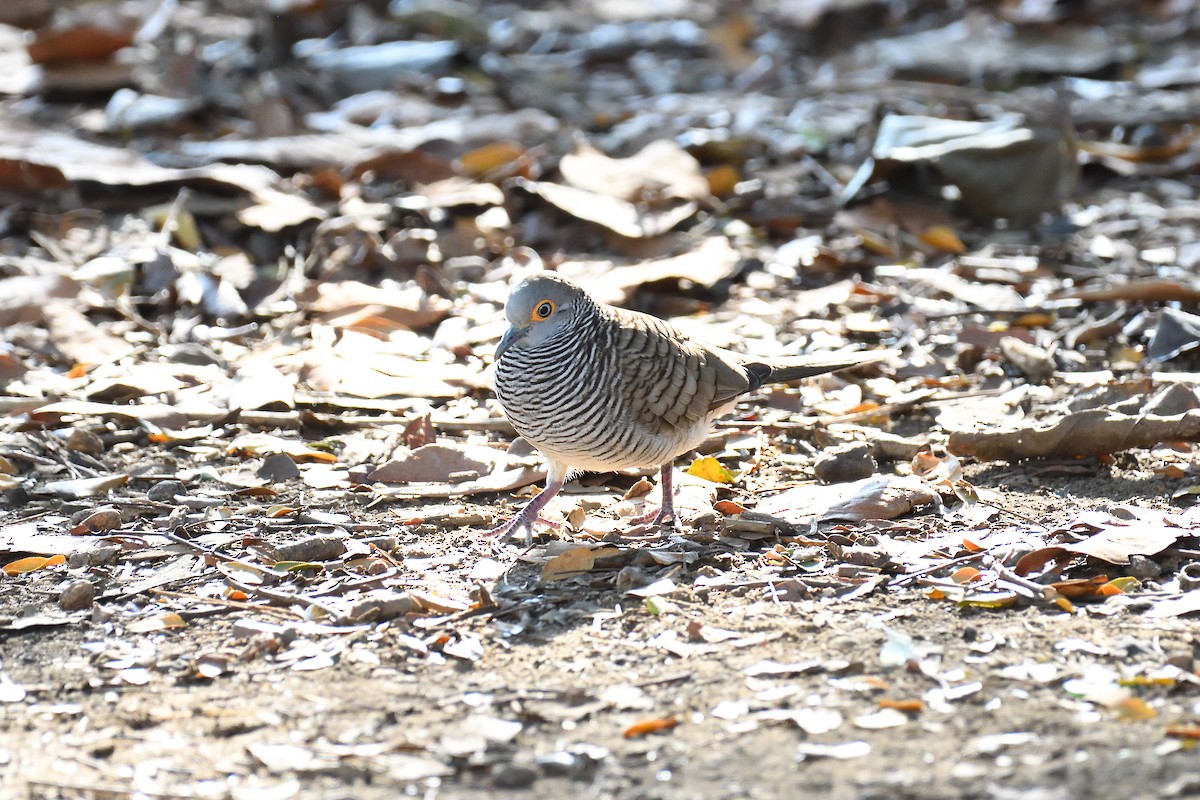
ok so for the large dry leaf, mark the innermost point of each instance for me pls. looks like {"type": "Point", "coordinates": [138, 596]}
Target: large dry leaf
{"type": "Point", "coordinates": [158, 414]}
{"type": "Point", "coordinates": [339, 376]}
{"type": "Point", "coordinates": [661, 168]}
{"type": "Point", "coordinates": [877, 497]}
{"type": "Point", "coordinates": [258, 384]}
{"type": "Point", "coordinates": [968, 49]}
{"type": "Point", "coordinates": [36, 160]}
{"type": "Point", "coordinates": [79, 340]}
{"type": "Point", "coordinates": [23, 298]}
{"type": "Point", "coordinates": [570, 564]}
{"type": "Point", "coordinates": [439, 463]}
{"type": "Point", "coordinates": [1003, 168]}
{"type": "Point", "coordinates": [85, 487]}
{"type": "Point", "coordinates": [1146, 534]}
{"type": "Point", "coordinates": [1186, 603]}
{"type": "Point", "coordinates": [619, 216]}
{"type": "Point", "coordinates": [409, 306]}
{"type": "Point", "coordinates": [713, 261]}
{"type": "Point", "coordinates": [500, 481]}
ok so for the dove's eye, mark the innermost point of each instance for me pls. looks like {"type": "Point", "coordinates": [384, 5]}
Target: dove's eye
{"type": "Point", "coordinates": [543, 310]}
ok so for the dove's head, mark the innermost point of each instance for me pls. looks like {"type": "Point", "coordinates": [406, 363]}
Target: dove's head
{"type": "Point", "coordinates": [539, 308]}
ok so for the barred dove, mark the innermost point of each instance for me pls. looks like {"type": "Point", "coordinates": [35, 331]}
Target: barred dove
{"type": "Point", "coordinates": [599, 388]}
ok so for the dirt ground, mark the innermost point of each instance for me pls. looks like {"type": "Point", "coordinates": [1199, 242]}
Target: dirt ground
{"type": "Point", "coordinates": [253, 266]}
{"type": "Point", "coordinates": [569, 667]}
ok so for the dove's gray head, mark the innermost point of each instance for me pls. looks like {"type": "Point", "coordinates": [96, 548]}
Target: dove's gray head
{"type": "Point", "coordinates": [539, 308]}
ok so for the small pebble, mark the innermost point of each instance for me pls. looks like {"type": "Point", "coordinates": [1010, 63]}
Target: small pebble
{"type": "Point", "coordinates": [85, 441]}
{"type": "Point", "coordinates": [513, 776]}
{"type": "Point", "coordinates": [849, 462]}
{"type": "Point", "coordinates": [1183, 661]}
{"type": "Point", "coordinates": [103, 554]}
{"type": "Point", "coordinates": [77, 595]}
{"type": "Point", "coordinates": [166, 491]}
{"type": "Point", "coordinates": [1142, 568]}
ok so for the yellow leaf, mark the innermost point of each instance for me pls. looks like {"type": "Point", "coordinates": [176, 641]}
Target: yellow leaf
{"type": "Point", "coordinates": [710, 469]}
{"type": "Point", "coordinates": [989, 600]}
{"type": "Point", "coordinates": [490, 157]}
{"type": "Point", "coordinates": [297, 566]}
{"type": "Point", "coordinates": [576, 561]}
{"type": "Point", "coordinates": [22, 565]}
{"type": "Point", "coordinates": [1126, 583]}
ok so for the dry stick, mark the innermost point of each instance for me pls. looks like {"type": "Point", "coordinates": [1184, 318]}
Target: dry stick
{"type": "Point", "coordinates": [1047, 593]}
{"type": "Point", "coordinates": [208, 551]}
{"type": "Point", "coordinates": [284, 598]}
{"type": "Point", "coordinates": [286, 613]}
{"type": "Point", "coordinates": [950, 562]}
{"type": "Point", "coordinates": [364, 583]}
{"type": "Point", "coordinates": [100, 790]}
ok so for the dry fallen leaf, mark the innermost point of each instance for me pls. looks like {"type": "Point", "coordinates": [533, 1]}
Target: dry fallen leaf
{"type": "Point", "coordinates": [158, 622]}
{"type": "Point", "coordinates": [710, 469]}
{"type": "Point", "coordinates": [574, 562]}
{"type": "Point", "coordinates": [648, 726]}
{"type": "Point", "coordinates": [32, 563]}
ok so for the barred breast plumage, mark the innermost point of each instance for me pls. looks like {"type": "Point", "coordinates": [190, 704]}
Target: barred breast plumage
{"type": "Point", "coordinates": [595, 387]}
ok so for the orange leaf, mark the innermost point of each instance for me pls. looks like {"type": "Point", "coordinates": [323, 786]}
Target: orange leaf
{"type": "Point", "coordinates": [158, 622]}
{"type": "Point", "coordinates": [943, 238]}
{"type": "Point", "coordinates": [907, 706]}
{"type": "Point", "coordinates": [1120, 585]}
{"type": "Point", "coordinates": [1064, 604]}
{"type": "Point", "coordinates": [965, 575]}
{"type": "Point", "coordinates": [80, 43]}
{"type": "Point", "coordinates": [971, 547]}
{"type": "Point", "coordinates": [650, 726]}
{"type": "Point", "coordinates": [1183, 731]}
{"type": "Point", "coordinates": [1135, 709]}
{"type": "Point", "coordinates": [1082, 588]}
{"type": "Point", "coordinates": [722, 179]}
{"type": "Point", "coordinates": [280, 511]}
{"type": "Point", "coordinates": [728, 507]}
{"type": "Point", "coordinates": [935, 594]}
{"type": "Point", "coordinates": [1038, 559]}
{"type": "Point", "coordinates": [22, 565]}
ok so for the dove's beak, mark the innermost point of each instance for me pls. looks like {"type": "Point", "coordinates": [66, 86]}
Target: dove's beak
{"type": "Point", "coordinates": [509, 339]}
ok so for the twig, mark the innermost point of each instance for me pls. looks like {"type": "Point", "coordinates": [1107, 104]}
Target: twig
{"type": "Point", "coordinates": [208, 551]}
{"type": "Point", "coordinates": [62, 789]}
{"type": "Point", "coordinates": [1047, 593]}
{"type": "Point", "coordinates": [364, 583]}
{"type": "Point", "coordinates": [233, 604]}
{"type": "Point", "coordinates": [908, 577]}
{"type": "Point", "coordinates": [283, 598]}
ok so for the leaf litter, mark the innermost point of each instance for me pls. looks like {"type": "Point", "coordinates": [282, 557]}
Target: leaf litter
{"type": "Point", "coordinates": [250, 279]}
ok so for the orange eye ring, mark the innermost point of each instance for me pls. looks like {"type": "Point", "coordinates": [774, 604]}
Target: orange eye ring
{"type": "Point", "coordinates": [542, 311]}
